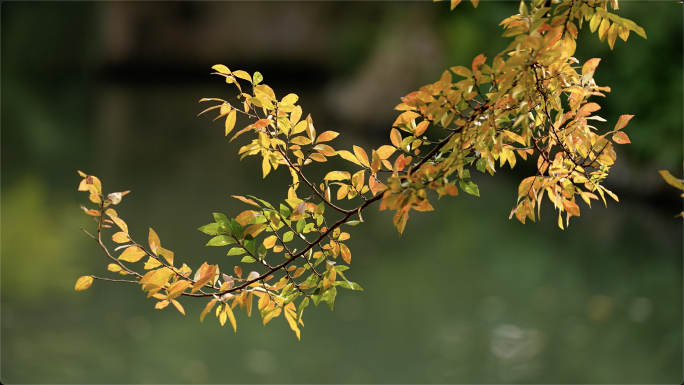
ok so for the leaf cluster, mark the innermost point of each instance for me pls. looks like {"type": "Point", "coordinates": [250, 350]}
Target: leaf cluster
{"type": "Point", "coordinates": [531, 100]}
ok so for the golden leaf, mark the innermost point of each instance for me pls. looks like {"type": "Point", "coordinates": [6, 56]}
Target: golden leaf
{"type": "Point", "coordinates": [132, 254]}
{"type": "Point", "coordinates": [84, 283]}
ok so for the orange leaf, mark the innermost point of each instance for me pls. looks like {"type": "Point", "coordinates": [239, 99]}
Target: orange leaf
{"type": "Point", "coordinates": [622, 122]}
{"type": "Point", "coordinates": [385, 152]}
{"type": "Point", "coordinates": [325, 150]}
{"type": "Point", "coordinates": [177, 288]}
{"type": "Point", "coordinates": [590, 65]}
{"type": "Point", "coordinates": [248, 201]}
{"type": "Point", "coordinates": [178, 306]}
{"type": "Point", "coordinates": [206, 274]}
{"type": "Point", "coordinates": [621, 138]}
{"type": "Point", "coordinates": [207, 309]}
{"type": "Point", "coordinates": [421, 127]}
{"type": "Point", "coordinates": [327, 136]}
{"type": "Point", "coordinates": [261, 123]}
{"type": "Point", "coordinates": [346, 254]}
{"type": "Point", "coordinates": [395, 137]}
{"type": "Point", "coordinates": [571, 207]}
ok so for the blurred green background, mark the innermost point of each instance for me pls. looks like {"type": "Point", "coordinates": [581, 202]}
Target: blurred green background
{"type": "Point", "coordinates": [464, 296]}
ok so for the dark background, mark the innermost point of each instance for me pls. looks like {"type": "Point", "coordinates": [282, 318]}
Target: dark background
{"type": "Point", "coordinates": [464, 296]}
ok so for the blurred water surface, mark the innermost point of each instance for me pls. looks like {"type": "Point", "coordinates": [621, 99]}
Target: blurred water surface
{"type": "Point", "coordinates": [464, 296]}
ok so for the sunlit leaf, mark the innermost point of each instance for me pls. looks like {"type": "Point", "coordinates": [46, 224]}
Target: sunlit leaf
{"type": "Point", "coordinates": [120, 237]}
{"type": "Point", "coordinates": [132, 254]}
{"type": "Point", "coordinates": [221, 240]}
{"type": "Point", "coordinates": [621, 138]}
{"type": "Point", "coordinates": [84, 283]}
{"type": "Point", "coordinates": [671, 180]}
{"type": "Point", "coordinates": [469, 187]}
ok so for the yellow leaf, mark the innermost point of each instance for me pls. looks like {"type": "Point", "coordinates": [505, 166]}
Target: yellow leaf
{"type": "Point", "coordinates": [206, 274]}
{"type": "Point", "coordinates": [154, 241]}
{"type": "Point", "coordinates": [132, 254]}
{"type": "Point", "coordinates": [291, 317]}
{"type": "Point", "coordinates": [270, 241]}
{"type": "Point", "coordinates": [265, 166]}
{"type": "Point", "coordinates": [327, 136]}
{"type": "Point", "coordinates": [590, 65]}
{"type": "Point", "coordinates": [385, 152]}
{"type": "Point", "coordinates": [119, 222]}
{"type": "Point", "coordinates": [671, 180]}
{"type": "Point", "coordinates": [300, 140]}
{"type": "Point", "coordinates": [113, 267]}
{"type": "Point", "coordinates": [230, 121]}
{"type": "Point", "coordinates": [177, 288]}
{"type": "Point", "coordinates": [344, 250]}
{"type": "Point", "coordinates": [395, 137]}
{"type": "Point", "coordinates": [337, 175]}
{"type": "Point", "coordinates": [420, 129]}
{"type": "Point", "coordinates": [221, 68]}
{"type": "Point", "coordinates": [157, 279]}
{"type": "Point", "coordinates": [151, 263]}
{"type": "Point", "coordinates": [167, 254]}
{"type": "Point", "coordinates": [229, 312]}
{"type": "Point", "coordinates": [161, 304]}
{"type": "Point", "coordinates": [571, 207]}
{"type": "Point", "coordinates": [300, 127]}
{"type": "Point", "coordinates": [311, 131]}
{"type": "Point", "coordinates": [84, 283]}
{"type": "Point", "coordinates": [346, 155]}
{"type": "Point", "coordinates": [120, 237]}
{"type": "Point", "coordinates": [178, 306]}
{"type": "Point", "coordinates": [361, 156]}
{"type": "Point", "coordinates": [603, 29]}
{"type": "Point", "coordinates": [243, 75]}
{"type": "Point", "coordinates": [207, 309]}
{"type": "Point", "coordinates": [290, 99]}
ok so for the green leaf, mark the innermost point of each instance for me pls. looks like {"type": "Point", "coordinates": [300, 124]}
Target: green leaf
{"type": "Point", "coordinates": [329, 296]}
{"type": "Point", "coordinates": [469, 187]}
{"type": "Point", "coordinates": [248, 259]}
{"type": "Point", "coordinates": [287, 237]}
{"type": "Point", "coordinates": [285, 211]}
{"type": "Point", "coordinates": [300, 309]}
{"type": "Point", "coordinates": [221, 240]}
{"type": "Point", "coordinates": [311, 281]}
{"type": "Point", "coordinates": [481, 164]}
{"type": "Point", "coordinates": [261, 253]}
{"type": "Point", "coordinates": [223, 223]}
{"type": "Point", "coordinates": [257, 78]}
{"type": "Point", "coordinates": [466, 174]}
{"type": "Point", "coordinates": [211, 229]}
{"type": "Point", "coordinates": [236, 251]}
{"type": "Point", "coordinates": [236, 228]}
{"type": "Point", "coordinates": [249, 243]}
{"type": "Point", "coordinates": [300, 225]}
{"type": "Point", "coordinates": [317, 295]}
{"type": "Point", "coordinates": [352, 223]}
{"type": "Point", "coordinates": [345, 285]}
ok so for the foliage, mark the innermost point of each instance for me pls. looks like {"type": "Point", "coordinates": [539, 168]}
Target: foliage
{"type": "Point", "coordinates": [672, 181]}
{"type": "Point", "coordinates": [530, 100]}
